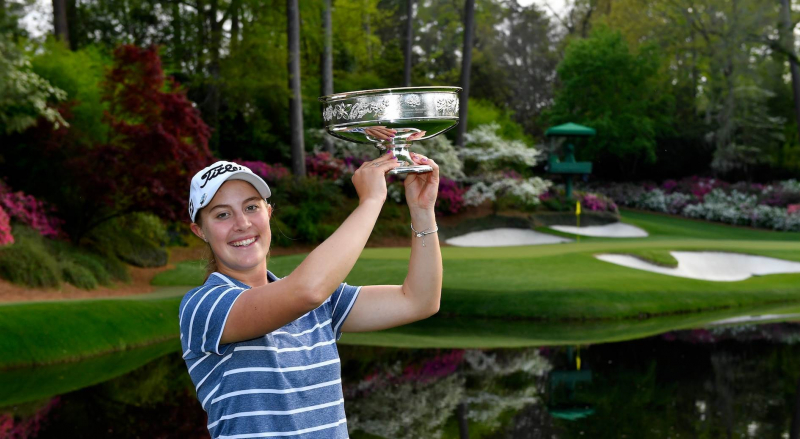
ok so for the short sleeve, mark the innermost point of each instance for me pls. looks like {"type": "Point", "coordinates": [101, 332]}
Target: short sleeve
{"type": "Point", "coordinates": [203, 313]}
{"type": "Point", "coordinates": [342, 302]}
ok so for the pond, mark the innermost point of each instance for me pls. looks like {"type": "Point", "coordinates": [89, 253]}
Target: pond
{"type": "Point", "coordinates": [734, 378]}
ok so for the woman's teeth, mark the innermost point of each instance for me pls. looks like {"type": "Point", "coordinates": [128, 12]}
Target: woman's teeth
{"type": "Point", "coordinates": [244, 242]}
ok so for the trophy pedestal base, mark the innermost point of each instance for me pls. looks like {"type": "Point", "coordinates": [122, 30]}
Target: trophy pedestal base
{"type": "Point", "coordinates": [411, 169]}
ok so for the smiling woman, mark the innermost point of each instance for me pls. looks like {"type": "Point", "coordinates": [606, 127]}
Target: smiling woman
{"type": "Point", "coordinates": [261, 350]}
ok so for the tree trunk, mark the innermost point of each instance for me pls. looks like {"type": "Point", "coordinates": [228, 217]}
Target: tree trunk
{"type": "Point", "coordinates": [787, 35]}
{"type": "Point", "coordinates": [234, 23]}
{"type": "Point", "coordinates": [213, 96]}
{"type": "Point", "coordinates": [409, 42]}
{"type": "Point", "coordinates": [60, 20]}
{"type": "Point", "coordinates": [466, 65]}
{"type": "Point", "coordinates": [177, 36]}
{"type": "Point", "coordinates": [295, 101]}
{"type": "Point", "coordinates": [794, 432]}
{"type": "Point", "coordinates": [463, 427]}
{"type": "Point", "coordinates": [327, 65]}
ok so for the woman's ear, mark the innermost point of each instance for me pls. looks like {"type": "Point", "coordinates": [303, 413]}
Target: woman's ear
{"type": "Point", "coordinates": [198, 231]}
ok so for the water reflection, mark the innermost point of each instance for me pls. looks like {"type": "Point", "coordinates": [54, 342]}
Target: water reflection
{"type": "Point", "coordinates": [718, 382]}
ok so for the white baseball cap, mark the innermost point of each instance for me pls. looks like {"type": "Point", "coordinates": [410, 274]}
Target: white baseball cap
{"type": "Point", "coordinates": [207, 182]}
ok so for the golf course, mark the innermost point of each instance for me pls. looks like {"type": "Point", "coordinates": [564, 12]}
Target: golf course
{"type": "Point", "coordinates": [492, 297]}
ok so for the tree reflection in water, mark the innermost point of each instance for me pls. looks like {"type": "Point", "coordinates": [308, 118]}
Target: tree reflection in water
{"type": "Point", "coordinates": [406, 397]}
{"type": "Point", "coordinates": [738, 382]}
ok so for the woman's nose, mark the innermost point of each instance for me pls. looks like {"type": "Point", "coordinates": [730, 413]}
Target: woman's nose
{"type": "Point", "coordinates": [242, 222]}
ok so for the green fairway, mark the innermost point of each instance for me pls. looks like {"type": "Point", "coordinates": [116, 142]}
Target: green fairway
{"type": "Point", "coordinates": [566, 281]}
{"type": "Point", "coordinates": [547, 294]}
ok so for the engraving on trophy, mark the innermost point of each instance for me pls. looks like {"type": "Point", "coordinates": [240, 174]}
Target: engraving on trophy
{"type": "Point", "coordinates": [354, 111]}
{"type": "Point", "coordinates": [413, 100]}
{"type": "Point", "coordinates": [447, 105]}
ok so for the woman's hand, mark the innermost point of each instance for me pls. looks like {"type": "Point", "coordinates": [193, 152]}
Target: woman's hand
{"type": "Point", "coordinates": [370, 178]}
{"type": "Point", "coordinates": [422, 189]}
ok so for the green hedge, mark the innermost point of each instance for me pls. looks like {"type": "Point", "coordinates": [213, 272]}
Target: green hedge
{"type": "Point", "coordinates": [28, 263]}
{"type": "Point", "coordinates": [37, 262]}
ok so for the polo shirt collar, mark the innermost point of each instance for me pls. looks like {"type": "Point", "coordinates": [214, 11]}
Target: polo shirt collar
{"type": "Point", "coordinates": [217, 278]}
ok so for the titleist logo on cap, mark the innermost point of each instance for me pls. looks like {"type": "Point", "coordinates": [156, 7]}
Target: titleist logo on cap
{"type": "Point", "coordinates": [217, 171]}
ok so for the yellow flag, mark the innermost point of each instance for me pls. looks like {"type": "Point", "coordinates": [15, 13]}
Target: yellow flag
{"type": "Point", "coordinates": [578, 208]}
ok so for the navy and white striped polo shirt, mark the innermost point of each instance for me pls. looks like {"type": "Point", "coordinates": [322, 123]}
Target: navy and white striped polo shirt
{"type": "Point", "coordinates": [284, 384]}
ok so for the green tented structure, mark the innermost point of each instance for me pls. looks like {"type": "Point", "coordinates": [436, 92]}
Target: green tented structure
{"type": "Point", "coordinates": [568, 166]}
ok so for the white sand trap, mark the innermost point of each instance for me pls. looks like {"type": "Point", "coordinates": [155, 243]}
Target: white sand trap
{"type": "Point", "coordinates": [714, 266]}
{"type": "Point", "coordinates": [613, 230]}
{"type": "Point", "coordinates": [504, 237]}
{"type": "Point", "coordinates": [753, 319]}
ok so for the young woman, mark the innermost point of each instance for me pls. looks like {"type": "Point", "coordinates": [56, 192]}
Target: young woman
{"type": "Point", "coordinates": [260, 349]}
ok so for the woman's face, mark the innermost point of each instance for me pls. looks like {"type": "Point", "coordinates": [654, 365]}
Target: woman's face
{"type": "Point", "coordinates": [236, 225]}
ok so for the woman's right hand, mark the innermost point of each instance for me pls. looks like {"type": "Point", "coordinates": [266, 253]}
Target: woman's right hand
{"type": "Point", "coordinates": [370, 178]}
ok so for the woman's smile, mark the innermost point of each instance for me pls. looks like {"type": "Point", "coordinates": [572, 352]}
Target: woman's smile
{"type": "Point", "coordinates": [246, 242]}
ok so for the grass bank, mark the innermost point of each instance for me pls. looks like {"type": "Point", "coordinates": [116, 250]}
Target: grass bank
{"type": "Point", "coordinates": [40, 333]}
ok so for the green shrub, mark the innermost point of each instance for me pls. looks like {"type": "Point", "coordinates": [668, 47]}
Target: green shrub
{"type": "Point", "coordinates": [78, 73]}
{"type": "Point", "coordinates": [137, 239]}
{"type": "Point", "coordinates": [116, 268]}
{"type": "Point", "coordinates": [482, 112]}
{"type": "Point", "coordinates": [67, 253]}
{"type": "Point", "coordinates": [26, 262]}
{"type": "Point", "coordinates": [77, 275]}
{"type": "Point", "coordinates": [93, 263]}
{"type": "Point", "coordinates": [307, 211]}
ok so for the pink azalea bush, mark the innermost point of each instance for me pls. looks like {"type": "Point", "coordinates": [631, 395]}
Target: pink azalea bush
{"type": "Point", "coordinates": [6, 237]}
{"type": "Point", "coordinates": [270, 173]}
{"type": "Point", "coordinates": [324, 165]}
{"type": "Point", "coordinates": [29, 211]}
{"type": "Point", "coordinates": [451, 197]}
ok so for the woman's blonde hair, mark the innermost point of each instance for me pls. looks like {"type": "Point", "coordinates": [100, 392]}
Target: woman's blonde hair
{"type": "Point", "coordinates": [210, 257]}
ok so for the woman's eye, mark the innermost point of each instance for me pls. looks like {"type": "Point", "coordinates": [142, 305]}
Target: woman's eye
{"type": "Point", "coordinates": [222, 215]}
{"type": "Point", "coordinates": [252, 207]}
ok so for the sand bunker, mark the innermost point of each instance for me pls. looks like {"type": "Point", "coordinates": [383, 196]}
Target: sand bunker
{"type": "Point", "coordinates": [713, 266]}
{"type": "Point", "coordinates": [504, 237]}
{"type": "Point", "coordinates": [613, 230]}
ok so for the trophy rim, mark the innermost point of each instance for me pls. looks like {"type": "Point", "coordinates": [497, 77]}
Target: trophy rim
{"type": "Point", "coordinates": [395, 90]}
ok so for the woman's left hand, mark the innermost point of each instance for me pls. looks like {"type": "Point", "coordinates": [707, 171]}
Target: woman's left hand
{"type": "Point", "coordinates": [422, 189]}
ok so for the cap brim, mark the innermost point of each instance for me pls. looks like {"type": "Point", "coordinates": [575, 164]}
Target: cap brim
{"type": "Point", "coordinates": [255, 180]}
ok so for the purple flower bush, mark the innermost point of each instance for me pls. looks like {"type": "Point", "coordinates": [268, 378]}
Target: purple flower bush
{"type": "Point", "coordinates": [771, 206]}
{"type": "Point", "coordinates": [27, 210]}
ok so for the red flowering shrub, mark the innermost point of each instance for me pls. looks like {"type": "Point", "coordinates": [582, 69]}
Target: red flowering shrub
{"type": "Point", "coordinates": [27, 210]}
{"type": "Point", "coordinates": [324, 165]}
{"type": "Point", "coordinates": [6, 237]}
{"type": "Point", "coordinates": [451, 197]}
{"type": "Point", "coordinates": [270, 173]}
{"type": "Point", "coordinates": [26, 428]}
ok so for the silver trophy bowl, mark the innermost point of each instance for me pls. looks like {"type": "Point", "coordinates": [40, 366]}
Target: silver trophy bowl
{"type": "Point", "coordinates": [413, 113]}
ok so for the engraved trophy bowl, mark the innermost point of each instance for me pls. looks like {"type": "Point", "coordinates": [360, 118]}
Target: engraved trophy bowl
{"type": "Point", "coordinates": [414, 113]}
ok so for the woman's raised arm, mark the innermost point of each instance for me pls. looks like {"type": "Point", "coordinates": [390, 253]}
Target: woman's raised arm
{"type": "Point", "coordinates": [263, 309]}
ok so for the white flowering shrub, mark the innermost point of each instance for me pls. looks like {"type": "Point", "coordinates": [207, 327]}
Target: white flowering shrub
{"type": "Point", "coordinates": [743, 209]}
{"type": "Point", "coordinates": [526, 191]}
{"type": "Point", "coordinates": [442, 151]}
{"type": "Point", "coordinates": [24, 95]}
{"type": "Point", "coordinates": [792, 185]}
{"type": "Point", "coordinates": [489, 152]}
